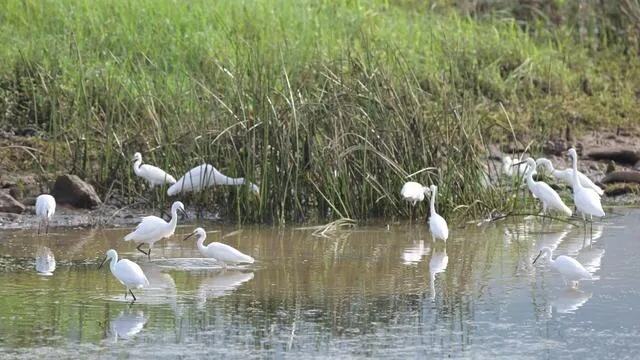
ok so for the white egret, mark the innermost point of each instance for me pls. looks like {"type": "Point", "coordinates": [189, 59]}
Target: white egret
{"type": "Point", "coordinates": [566, 175]}
{"type": "Point", "coordinates": [154, 175]}
{"type": "Point", "coordinates": [587, 201]}
{"type": "Point", "coordinates": [569, 268]}
{"type": "Point", "coordinates": [204, 176]}
{"type": "Point", "coordinates": [437, 224]}
{"type": "Point", "coordinates": [45, 208]}
{"type": "Point", "coordinates": [153, 229]}
{"type": "Point", "coordinates": [414, 192]}
{"type": "Point", "coordinates": [127, 272]}
{"type": "Point", "coordinates": [223, 253]}
{"type": "Point", "coordinates": [542, 191]}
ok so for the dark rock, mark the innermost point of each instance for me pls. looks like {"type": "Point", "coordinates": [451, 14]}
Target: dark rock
{"type": "Point", "coordinates": [621, 190]}
{"type": "Point", "coordinates": [70, 189]}
{"type": "Point", "coordinates": [10, 205]}
{"type": "Point", "coordinates": [622, 177]}
{"type": "Point", "coordinates": [626, 157]}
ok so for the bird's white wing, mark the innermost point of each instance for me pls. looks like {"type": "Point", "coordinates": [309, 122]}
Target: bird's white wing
{"type": "Point", "coordinates": [570, 267]}
{"type": "Point", "coordinates": [155, 175]}
{"type": "Point", "coordinates": [438, 226]}
{"type": "Point", "coordinates": [194, 180]}
{"type": "Point", "coordinates": [545, 193]}
{"type": "Point", "coordinates": [587, 183]}
{"type": "Point", "coordinates": [130, 274]}
{"type": "Point", "coordinates": [45, 206]}
{"type": "Point", "coordinates": [227, 253]}
{"type": "Point", "coordinates": [146, 228]}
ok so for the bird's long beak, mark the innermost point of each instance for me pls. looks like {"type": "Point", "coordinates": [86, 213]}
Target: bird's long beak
{"type": "Point", "coordinates": [521, 162]}
{"type": "Point", "coordinates": [188, 236]}
{"type": "Point", "coordinates": [536, 259]}
{"type": "Point", "coordinates": [103, 261]}
{"type": "Point", "coordinates": [186, 216]}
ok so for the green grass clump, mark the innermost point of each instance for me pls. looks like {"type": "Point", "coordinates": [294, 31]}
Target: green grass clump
{"type": "Point", "coordinates": [327, 105]}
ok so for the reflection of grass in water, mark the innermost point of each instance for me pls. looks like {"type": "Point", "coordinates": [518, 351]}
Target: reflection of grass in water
{"type": "Point", "coordinates": [328, 106]}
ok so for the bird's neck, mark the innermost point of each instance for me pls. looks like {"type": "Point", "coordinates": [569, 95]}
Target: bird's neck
{"type": "Point", "coordinates": [136, 166]}
{"type": "Point", "coordinates": [530, 181]}
{"type": "Point", "coordinates": [576, 182]}
{"type": "Point", "coordinates": [174, 218]}
{"type": "Point", "coordinates": [200, 243]}
{"type": "Point", "coordinates": [114, 261]}
{"type": "Point", "coordinates": [433, 202]}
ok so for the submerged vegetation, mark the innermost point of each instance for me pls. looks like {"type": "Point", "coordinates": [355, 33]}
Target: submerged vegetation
{"type": "Point", "coordinates": [329, 106]}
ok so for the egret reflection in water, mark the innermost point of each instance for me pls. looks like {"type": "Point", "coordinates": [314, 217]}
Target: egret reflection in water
{"type": "Point", "coordinates": [220, 283]}
{"type": "Point", "coordinates": [414, 253]}
{"type": "Point", "coordinates": [569, 300]}
{"type": "Point", "coordinates": [45, 261]}
{"type": "Point", "coordinates": [127, 324]}
{"type": "Point", "coordinates": [437, 264]}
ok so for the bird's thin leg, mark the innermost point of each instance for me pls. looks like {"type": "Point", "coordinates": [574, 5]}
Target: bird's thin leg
{"type": "Point", "coordinates": [149, 254]}
{"type": "Point", "coordinates": [142, 251]}
{"type": "Point", "coordinates": [125, 294]}
{"type": "Point", "coordinates": [39, 226]}
{"type": "Point", "coordinates": [134, 297]}
{"type": "Point", "coordinates": [47, 227]}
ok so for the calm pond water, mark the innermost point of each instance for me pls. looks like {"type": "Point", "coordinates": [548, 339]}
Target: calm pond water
{"type": "Point", "coordinates": [369, 292]}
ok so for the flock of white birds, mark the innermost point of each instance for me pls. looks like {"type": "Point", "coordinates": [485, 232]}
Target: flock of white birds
{"type": "Point", "coordinates": [151, 229]}
{"type": "Point", "coordinates": [586, 197]}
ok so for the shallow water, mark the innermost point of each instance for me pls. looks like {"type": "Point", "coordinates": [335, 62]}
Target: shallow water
{"type": "Point", "coordinates": [369, 292]}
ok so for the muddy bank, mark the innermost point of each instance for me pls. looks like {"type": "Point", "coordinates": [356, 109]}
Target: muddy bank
{"type": "Point", "coordinates": [104, 216]}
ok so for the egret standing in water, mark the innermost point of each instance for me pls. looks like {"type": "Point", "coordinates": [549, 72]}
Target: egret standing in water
{"type": "Point", "coordinates": [45, 208]}
{"type": "Point", "coordinates": [569, 268]}
{"type": "Point", "coordinates": [127, 272]}
{"type": "Point", "coordinates": [548, 197]}
{"type": "Point", "coordinates": [437, 224]}
{"type": "Point", "coordinates": [154, 175]}
{"type": "Point", "coordinates": [223, 253]}
{"type": "Point", "coordinates": [204, 176]}
{"type": "Point", "coordinates": [566, 175]}
{"type": "Point", "coordinates": [587, 201]}
{"type": "Point", "coordinates": [153, 229]}
{"type": "Point", "coordinates": [414, 192]}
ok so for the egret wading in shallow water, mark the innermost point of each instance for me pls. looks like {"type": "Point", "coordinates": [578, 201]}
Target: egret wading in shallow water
{"type": "Point", "coordinates": [223, 253]}
{"type": "Point", "coordinates": [203, 176]}
{"type": "Point", "coordinates": [127, 272]}
{"type": "Point", "coordinates": [414, 192]}
{"type": "Point", "coordinates": [45, 208]}
{"type": "Point", "coordinates": [153, 229]}
{"type": "Point", "coordinates": [437, 224]}
{"type": "Point", "coordinates": [566, 175]}
{"type": "Point", "coordinates": [154, 175]}
{"type": "Point", "coordinates": [587, 201]}
{"type": "Point", "coordinates": [569, 268]}
{"type": "Point", "coordinates": [542, 191]}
